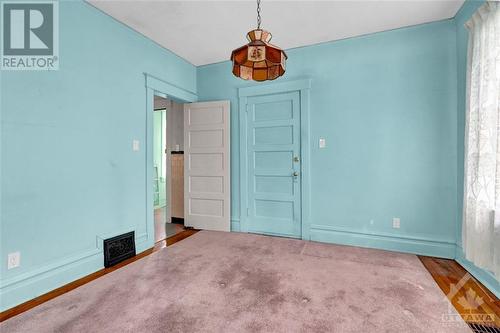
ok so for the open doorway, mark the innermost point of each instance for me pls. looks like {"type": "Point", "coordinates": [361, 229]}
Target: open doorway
{"type": "Point", "coordinates": [196, 145]}
{"type": "Point", "coordinates": [168, 167]}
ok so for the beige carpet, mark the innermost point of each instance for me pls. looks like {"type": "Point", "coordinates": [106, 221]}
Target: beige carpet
{"type": "Point", "coordinates": [233, 282]}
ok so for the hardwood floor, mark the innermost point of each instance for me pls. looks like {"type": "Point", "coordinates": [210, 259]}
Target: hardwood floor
{"type": "Point", "coordinates": [474, 302]}
{"type": "Point", "coordinates": [174, 239]}
{"type": "Point", "coordinates": [75, 284]}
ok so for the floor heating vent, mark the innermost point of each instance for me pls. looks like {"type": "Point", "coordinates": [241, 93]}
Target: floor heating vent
{"type": "Point", "coordinates": [119, 248]}
{"type": "Point", "coordinates": [479, 328]}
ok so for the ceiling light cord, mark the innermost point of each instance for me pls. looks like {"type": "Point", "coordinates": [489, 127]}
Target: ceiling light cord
{"type": "Point", "coordinates": [259, 20]}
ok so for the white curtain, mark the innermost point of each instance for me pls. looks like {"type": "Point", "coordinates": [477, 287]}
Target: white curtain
{"type": "Point", "coordinates": [481, 219]}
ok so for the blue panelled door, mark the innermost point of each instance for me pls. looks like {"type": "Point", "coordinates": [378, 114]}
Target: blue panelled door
{"type": "Point", "coordinates": [273, 152]}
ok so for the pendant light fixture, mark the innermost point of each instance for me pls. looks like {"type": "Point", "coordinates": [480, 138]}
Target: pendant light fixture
{"type": "Point", "coordinates": [258, 60]}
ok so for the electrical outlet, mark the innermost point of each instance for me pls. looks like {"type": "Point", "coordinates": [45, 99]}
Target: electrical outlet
{"type": "Point", "coordinates": [322, 142]}
{"type": "Point", "coordinates": [135, 145]}
{"type": "Point", "coordinates": [13, 260]}
{"type": "Point", "coordinates": [396, 223]}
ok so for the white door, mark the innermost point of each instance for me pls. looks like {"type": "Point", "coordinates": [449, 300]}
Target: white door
{"type": "Point", "coordinates": [206, 166]}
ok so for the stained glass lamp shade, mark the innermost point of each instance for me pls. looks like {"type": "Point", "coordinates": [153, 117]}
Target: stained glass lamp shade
{"type": "Point", "coordinates": [258, 60]}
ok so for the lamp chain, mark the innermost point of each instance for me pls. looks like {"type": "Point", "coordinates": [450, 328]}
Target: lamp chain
{"type": "Point", "coordinates": [259, 20]}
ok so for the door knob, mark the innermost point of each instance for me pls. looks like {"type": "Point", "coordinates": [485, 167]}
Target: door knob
{"type": "Point", "coordinates": [296, 159]}
{"type": "Point", "coordinates": [295, 174]}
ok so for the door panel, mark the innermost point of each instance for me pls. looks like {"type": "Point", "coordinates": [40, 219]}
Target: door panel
{"type": "Point", "coordinates": [210, 138]}
{"type": "Point", "coordinates": [273, 147]}
{"type": "Point", "coordinates": [206, 151]}
{"type": "Point", "coordinates": [277, 135]}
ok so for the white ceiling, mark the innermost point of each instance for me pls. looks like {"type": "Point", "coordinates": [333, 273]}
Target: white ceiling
{"type": "Point", "coordinates": [205, 32]}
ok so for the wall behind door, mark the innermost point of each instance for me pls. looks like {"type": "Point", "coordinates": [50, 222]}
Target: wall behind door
{"type": "Point", "coordinates": [386, 105]}
{"type": "Point", "coordinates": [175, 129]}
{"type": "Point", "coordinates": [175, 135]}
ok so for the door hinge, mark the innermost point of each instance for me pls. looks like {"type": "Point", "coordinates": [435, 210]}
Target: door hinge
{"type": "Point", "coordinates": [248, 211]}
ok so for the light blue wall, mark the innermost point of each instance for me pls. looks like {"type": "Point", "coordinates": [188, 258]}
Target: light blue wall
{"type": "Point", "coordinates": [386, 104]}
{"type": "Point", "coordinates": [463, 16]}
{"type": "Point", "coordinates": [68, 171]}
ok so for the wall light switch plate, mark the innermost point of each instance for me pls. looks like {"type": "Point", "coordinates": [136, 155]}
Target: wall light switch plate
{"type": "Point", "coordinates": [135, 145]}
{"type": "Point", "coordinates": [396, 223]}
{"type": "Point", "coordinates": [322, 142]}
{"type": "Point", "coordinates": [13, 260]}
